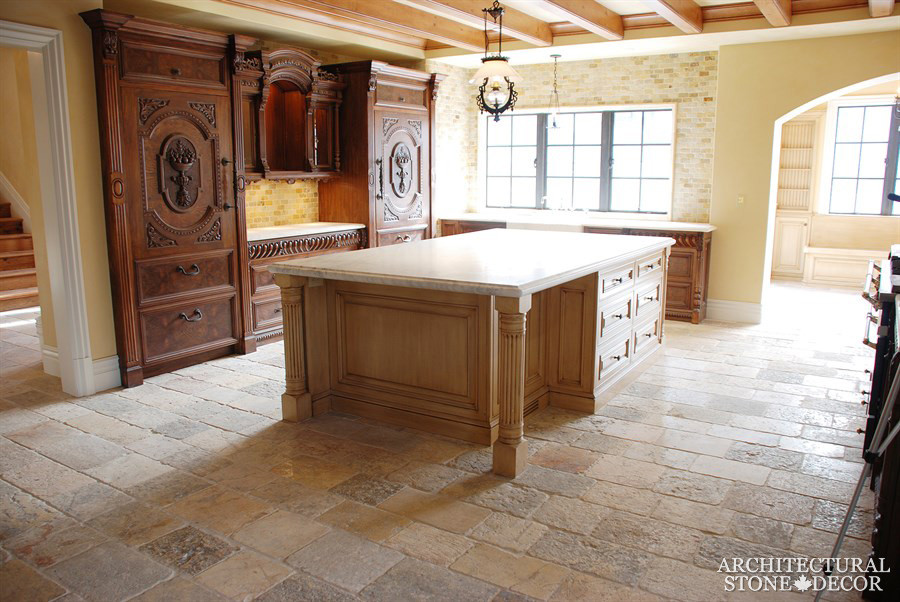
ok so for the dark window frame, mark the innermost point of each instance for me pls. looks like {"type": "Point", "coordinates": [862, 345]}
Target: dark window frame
{"type": "Point", "coordinates": [606, 160]}
{"type": "Point", "coordinates": [889, 176]}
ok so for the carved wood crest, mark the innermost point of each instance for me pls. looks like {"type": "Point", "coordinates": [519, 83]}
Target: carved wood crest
{"type": "Point", "coordinates": [208, 110]}
{"type": "Point", "coordinates": [179, 173]}
{"type": "Point", "coordinates": [149, 106]}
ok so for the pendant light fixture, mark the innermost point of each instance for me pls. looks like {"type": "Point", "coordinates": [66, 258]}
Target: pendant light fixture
{"type": "Point", "coordinates": [496, 79]}
{"type": "Point", "coordinates": [553, 109]}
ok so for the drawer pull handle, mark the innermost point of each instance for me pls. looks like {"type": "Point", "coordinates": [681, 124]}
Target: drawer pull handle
{"type": "Point", "coordinates": [618, 316]}
{"type": "Point", "coordinates": [195, 269]}
{"type": "Point", "coordinates": [617, 357]}
{"type": "Point", "coordinates": [618, 280]}
{"type": "Point", "coordinates": [650, 266]}
{"type": "Point", "coordinates": [176, 71]}
{"type": "Point", "coordinates": [648, 334]}
{"type": "Point", "coordinates": [195, 317]}
{"type": "Point", "coordinates": [277, 310]}
{"type": "Point", "coordinates": [650, 298]}
{"type": "Point", "coordinates": [406, 238]}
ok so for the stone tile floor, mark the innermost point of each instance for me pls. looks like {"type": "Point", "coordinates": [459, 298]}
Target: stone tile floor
{"type": "Point", "coordinates": [739, 442]}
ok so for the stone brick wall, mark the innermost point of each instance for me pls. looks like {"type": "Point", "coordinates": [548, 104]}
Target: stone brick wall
{"type": "Point", "coordinates": [687, 80]}
{"type": "Point", "coordinates": [276, 203]}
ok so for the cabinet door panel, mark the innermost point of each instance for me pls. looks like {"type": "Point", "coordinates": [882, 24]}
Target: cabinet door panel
{"type": "Point", "coordinates": [401, 169]}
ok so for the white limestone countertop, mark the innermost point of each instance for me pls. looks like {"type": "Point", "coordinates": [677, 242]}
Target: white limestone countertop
{"type": "Point", "coordinates": [289, 230]}
{"type": "Point", "coordinates": [506, 263]}
{"type": "Point", "coordinates": [573, 221]}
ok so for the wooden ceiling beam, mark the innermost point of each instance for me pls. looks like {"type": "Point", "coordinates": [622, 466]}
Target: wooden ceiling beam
{"type": "Point", "coordinates": [686, 15]}
{"type": "Point", "coordinates": [776, 12]}
{"type": "Point", "coordinates": [367, 17]}
{"type": "Point", "coordinates": [516, 24]}
{"type": "Point", "coordinates": [588, 15]}
{"type": "Point", "coordinates": [881, 8]}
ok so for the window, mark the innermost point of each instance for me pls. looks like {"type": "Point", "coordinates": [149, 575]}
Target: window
{"type": "Point", "coordinates": [864, 161]}
{"type": "Point", "coordinates": [593, 160]}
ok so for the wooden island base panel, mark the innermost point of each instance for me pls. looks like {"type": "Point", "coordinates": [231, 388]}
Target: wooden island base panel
{"type": "Point", "coordinates": [465, 335]}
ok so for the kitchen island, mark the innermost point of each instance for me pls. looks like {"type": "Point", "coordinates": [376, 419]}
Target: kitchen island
{"type": "Point", "coordinates": [432, 334]}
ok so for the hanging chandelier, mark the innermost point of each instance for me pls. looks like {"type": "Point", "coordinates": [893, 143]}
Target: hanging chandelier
{"type": "Point", "coordinates": [496, 91]}
{"type": "Point", "coordinates": [553, 108]}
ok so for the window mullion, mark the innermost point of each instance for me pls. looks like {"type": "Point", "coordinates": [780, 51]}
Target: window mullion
{"type": "Point", "coordinates": [606, 160]}
{"type": "Point", "coordinates": [890, 164]}
{"type": "Point", "coordinates": [540, 183]}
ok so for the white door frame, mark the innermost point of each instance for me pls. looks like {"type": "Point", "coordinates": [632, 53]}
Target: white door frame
{"type": "Point", "coordinates": [57, 178]}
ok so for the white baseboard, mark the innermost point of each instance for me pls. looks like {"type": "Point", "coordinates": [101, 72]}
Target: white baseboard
{"type": "Point", "coordinates": [733, 311]}
{"type": "Point", "coordinates": [106, 370]}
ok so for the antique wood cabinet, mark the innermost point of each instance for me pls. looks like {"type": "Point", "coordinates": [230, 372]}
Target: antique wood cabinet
{"type": "Point", "coordinates": [288, 112]}
{"type": "Point", "coordinates": [265, 296]}
{"type": "Point", "coordinates": [386, 146]}
{"type": "Point", "coordinates": [166, 137]}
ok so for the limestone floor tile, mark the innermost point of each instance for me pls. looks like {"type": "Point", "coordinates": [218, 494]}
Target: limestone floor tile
{"type": "Point", "coordinates": [820, 487]}
{"type": "Point", "coordinates": [109, 572]}
{"type": "Point", "coordinates": [345, 560]}
{"type": "Point", "coordinates": [45, 478]}
{"type": "Point", "coordinates": [430, 544]}
{"type": "Point", "coordinates": [107, 428]}
{"type": "Point", "coordinates": [280, 533]}
{"type": "Point", "coordinates": [673, 458]}
{"type": "Point", "coordinates": [590, 555]}
{"type": "Point", "coordinates": [564, 457]}
{"type": "Point", "coordinates": [762, 530]}
{"type": "Point", "coordinates": [496, 566]}
{"type": "Point", "coordinates": [626, 471]}
{"type": "Point", "coordinates": [555, 481]}
{"type": "Point", "coordinates": [21, 582]}
{"type": "Point", "coordinates": [179, 589]}
{"type": "Point", "coordinates": [779, 459]}
{"type": "Point", "coordinates": [682, 581]}
{"type": "Point", "coordinates": [127, 471]}
{"type": "Point", "coordinates": [189, 550]}
{"type": "Point", "coordinates": [20, 511]}
{"type": "Point", "coordinates": [425, 476]}
{"type": "Point", "coordinates": [416, 580]}
{"type": "Point", "coordinates": [692, 442]}
{"type": "Point", "coordinates": [713, 519]}
{"type": "Point", "coordinates": [366, 490]}
{"type": "Point", "coordinates": [305, 587]}
{"type": "Point", "coordinates": [135, 523]}
{"type": "Point", "coordinates": [691, 486]}
{"type": "Point", "coordinates": [67, 445]}
{"type": "Point", "coordinates": [570, 514]}
{"type": "Point", "coordinates": [507, 497]}
{"type": "Point", "coordinates": [89, 500]}
{"type": "Point", "coordinates": [314, 472]}
{"type": "Point", "coordinates": [654, 536]}
{"type": "Point", "coordinates": [365, 521]}
{"type": "Point", "coordinates": [770, 503]}
{"type": "Point", "coordinates": [714, 548]}
{"type": "Point", "coordinates": [436, 510]}
{"type": "Point", "coordinates": [507, 531]}
{"type": "Point", "coordinates": [542, 584]}
{"type": "Point", "coordinates": [220, 509]}
{"type": "Point", "coordinates": [53, 542]}
{"type": "Point", "coordinates": [579, 587]}
{"type": "Point", "coordinates": [243, 575]}
{"type": "Point", "coordinates": [167, 488]}
{"type": "Point", "coordinates": [622, 497]}
{"type": "Point", "coordinates": [297, 498]}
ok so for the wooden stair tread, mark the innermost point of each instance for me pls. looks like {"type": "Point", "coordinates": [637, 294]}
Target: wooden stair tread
{"type": "Point", "coordinates": [17, 272]}
{"type": "Point", "coordinates": [18, 293]}
{"type": "Point", "coordinates": [15, 235]}
{"type": "Point", "coordinates": [16, 253]}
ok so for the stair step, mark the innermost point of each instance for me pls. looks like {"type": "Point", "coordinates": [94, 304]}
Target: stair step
{"type": "Point", "coordinates": [5, 209]}
{"type": "Point", "coordinates": [16, 260]}
{"type": "Point", "coordinates": [19, 298]}
{"type": "Point", "coordinates": [16, 242]}
{"type": "Point", "coordinates": [11, 225]}
{"type": "Point", "coordinates": [16, 279]}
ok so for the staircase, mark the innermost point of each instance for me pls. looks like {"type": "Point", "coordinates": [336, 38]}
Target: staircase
{"type": "Point", "coordinates": [18, 280]}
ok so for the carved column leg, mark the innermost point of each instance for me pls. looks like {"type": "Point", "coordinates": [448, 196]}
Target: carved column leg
{"type": "Point", "coordinates": [296, 402]}
{"type": "Point", "coordinates": [511, 449]}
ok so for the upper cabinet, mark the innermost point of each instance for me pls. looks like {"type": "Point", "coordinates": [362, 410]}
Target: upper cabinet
{"type": "Point", "coordinates": [288, 114]}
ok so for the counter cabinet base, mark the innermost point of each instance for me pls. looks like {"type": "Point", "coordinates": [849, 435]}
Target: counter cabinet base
{"type": "Point", "coordinates": [461, 365]}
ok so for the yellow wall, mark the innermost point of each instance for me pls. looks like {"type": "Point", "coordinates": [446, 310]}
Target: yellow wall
{"type": "Point", "coordinates": [19, 163]}
{"type": "Point", "coordinates": [759, 83]}
{"type": "Point", "coordinates": [63, 15]}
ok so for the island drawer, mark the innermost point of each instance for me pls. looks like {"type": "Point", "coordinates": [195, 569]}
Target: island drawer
{"type": "Point", "coordinates": [646, 337]}
{"type": "Point", "coordinates": [615, 280]}
{"type": "Point", "coordinates": [646, 299]}
{"type": "Point", "coordinates": [649, 266]}
{"type": "Point", "coordinates": [162, 279]}
{"type": "Point", "coordinates": [614, 358]}
{"type": "Point", "coordinates": [613, 315]}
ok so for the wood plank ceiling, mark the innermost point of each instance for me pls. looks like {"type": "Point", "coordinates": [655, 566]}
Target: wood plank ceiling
{"type": "Point", "coordinates": [431, 24]}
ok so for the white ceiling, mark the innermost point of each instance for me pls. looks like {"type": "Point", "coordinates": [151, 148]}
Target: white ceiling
{"type": "Point", "coordinates": [622, 7]}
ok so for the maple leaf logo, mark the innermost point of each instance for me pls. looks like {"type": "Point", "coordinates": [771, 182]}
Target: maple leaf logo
{"type": "Point", "coordinates": [802, 584]}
